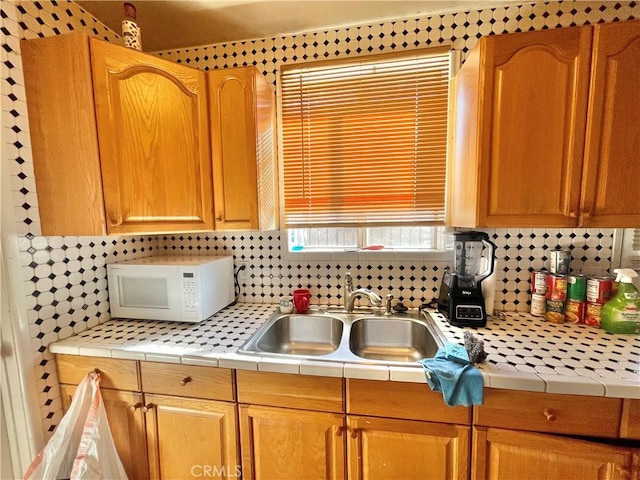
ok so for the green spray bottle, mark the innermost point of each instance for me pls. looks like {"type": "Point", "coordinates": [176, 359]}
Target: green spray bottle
{"type": "Point", "coordinates": [621, 314]}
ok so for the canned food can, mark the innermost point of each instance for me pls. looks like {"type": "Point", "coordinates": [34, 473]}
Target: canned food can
{"type": "Point", "coordinates": [592, 315]}
{"type": "Point", "coordinates": [599, 289]}
{"type": "Point", "coordinates": [538, 305]}
{"type": "Point", "coordinates": [559, 261]}
{"type": "Point", "coordinates": [554, 311]}
{"type": "Point", "coordinates": [556, 287]}
{"type": "Point", "coordinates": [574, 311]}
{"type": "Point", "coordinates": [538, 283]}
{"type": "Point", "coordinates": [577, 287]}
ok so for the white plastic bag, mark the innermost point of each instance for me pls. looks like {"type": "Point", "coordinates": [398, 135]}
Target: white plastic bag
{"type": "Point", "coordinates": [82, 446]}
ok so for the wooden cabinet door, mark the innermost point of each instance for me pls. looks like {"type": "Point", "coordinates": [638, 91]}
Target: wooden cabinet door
{"type": "Point", "coordinates": [191, 438]}
{"type": "Point", "coordinates": [154, 142]}
{"type": "Point", "coordinates": [611, 197]}
{"type": "Point", "coordinates": [126, 421]}
{"type": "Point", "coordinates": [281, 443]}
{"type": "Point", "coordinates": [243, 148]}
{"type": "Point", "coordinates": [521, 112]}
{"type": "Point", "coordinates": [506, 454]}
{"type": "Point", "coordinates": [379, 448]}
{"type": "Point", "coordinates": [532, 118]}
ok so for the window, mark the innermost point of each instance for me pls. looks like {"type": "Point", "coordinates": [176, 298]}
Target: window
{"type": "Point", "coordinates": [375, 238]}
{"type": "Point", "coordinates": [364, 145]}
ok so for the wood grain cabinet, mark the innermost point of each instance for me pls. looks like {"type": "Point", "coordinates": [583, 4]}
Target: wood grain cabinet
{"type": "Point", "coordinates": [525, 435]}
{"type": "Point", "coordinates": [243, 125]}
{"type": "Point", "coordinates": [120, 139]}
{"type": "Point", "coordinates": [543, 133]}
{"type": "Point", "coordinates": [180, 423]}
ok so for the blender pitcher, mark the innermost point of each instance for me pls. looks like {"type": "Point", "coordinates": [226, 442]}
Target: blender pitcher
{"type": "Point", "coordinates": [469, 251]}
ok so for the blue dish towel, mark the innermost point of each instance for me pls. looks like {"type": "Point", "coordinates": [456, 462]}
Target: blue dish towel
{"type": "Point", "coordinates": [460, 382]}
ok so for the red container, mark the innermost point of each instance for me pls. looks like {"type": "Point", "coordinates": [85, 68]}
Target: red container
{"type": "Point", "coordinates": [556, 287]}
{"type": "Point", "coordinates": [593, 313]}
{"type": "Point", "coordinates": [574, 311]}
{"type": "Point", "coordinates": [599, 289]}
{"type": "Point", "coordinates": [538, 283]}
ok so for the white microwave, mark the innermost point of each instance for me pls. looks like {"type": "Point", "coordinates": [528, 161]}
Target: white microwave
{"type": "Point", "coordinates": [180, 288]}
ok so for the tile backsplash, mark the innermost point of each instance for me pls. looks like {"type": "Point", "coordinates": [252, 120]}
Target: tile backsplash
{"type": "Point", "coordinates": [64, 278]}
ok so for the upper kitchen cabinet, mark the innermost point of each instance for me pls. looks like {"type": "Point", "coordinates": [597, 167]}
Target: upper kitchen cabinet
{"type": "Point", "coordinates": [611, 175]}
{"type": "Point", "coordinates": [541, 136]}
{"type": "Point", "coordinates": [244, 150]}
{"type": "Point", "coordinates": [120, 139]}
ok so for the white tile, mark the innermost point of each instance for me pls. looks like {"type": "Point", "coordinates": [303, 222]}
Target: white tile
{"type": "Point", "coordinates": [60, 347]}
{"type": "Point", "coordinates": [95, 351]}
{"type": "Point", "coordinates": [366, 372]}
{"type": "Point", "coordinates": [322, 369]}
{"type": "Point", "coordinates": [234, 360]}
{"type": "Point", "coordinates": [279, 365]}
{"type": "Point", "coordinates": [622, 388]}
{"type": "Point", "coordinates": [407, 374]}
{"type": "Point", "coordinates": [127, 354]}
{"type": "Point", "coordinates": [513, 380]}
{"type": "Point", "coordinates": [206, 359]}
{"type": "Point", "coordinates": [572, 385]}
{"type": "Point", "coordinates": [162, 358]}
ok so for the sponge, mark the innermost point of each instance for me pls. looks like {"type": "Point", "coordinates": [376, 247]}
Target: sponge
{"type": "Point", "coordinates": [456, 353]}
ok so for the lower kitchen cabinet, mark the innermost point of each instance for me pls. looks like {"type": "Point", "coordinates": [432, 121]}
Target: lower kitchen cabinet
{"type": "Point", "coordinates": [190, 437]}
{"type": "Point", "coordinates": [180, 423]}
{"type": "Point", "coordinates": [380, 448]}
{"type": "Point", "coordinates": [127, 424]}
{"type": "Point", "coordinates": [506, 455]}
{"type": "Point", "coordinates": [280, 443]}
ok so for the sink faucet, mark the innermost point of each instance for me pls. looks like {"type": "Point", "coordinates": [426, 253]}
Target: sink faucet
{"type": "Point", "coordinates": [350, 294]}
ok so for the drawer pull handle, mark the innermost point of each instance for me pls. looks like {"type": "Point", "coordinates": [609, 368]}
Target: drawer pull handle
{"type": "Point", "coordinates": [135, 406]}
{"type": "Point", "coordinates": [185, 380]}
{"type": "Point", "coordinates": [148, 407]}
{"type": "Point", "coordinates": [549, 415]}
{"type": "Point", "coordinates": [354, 433]}
{"type": "Point", "coordinates": [339, 431]}
{"type": "Point", "coordinates": [574, 214]}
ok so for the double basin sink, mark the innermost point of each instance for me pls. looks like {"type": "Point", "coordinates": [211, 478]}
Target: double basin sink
{"type": "Point", "coordinates": [354, 337]}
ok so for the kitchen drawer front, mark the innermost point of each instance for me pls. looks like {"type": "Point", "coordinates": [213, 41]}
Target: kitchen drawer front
{"type": "Point", "coordinates": [114, 373]}
{"type": "Point", "coordinates": [290, 391]}
{"type": "Point", "coordinates": [413, 401]}
{"type": "Point", "coordinates": [548, 412]}
{"type": "Point", "coordinates": [187, 380]}
{"type": "Point", "coordinates": [630, 422]}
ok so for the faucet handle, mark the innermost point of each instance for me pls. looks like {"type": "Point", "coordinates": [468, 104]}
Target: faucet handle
{"type": "Point", "coordinates": [348, 278]}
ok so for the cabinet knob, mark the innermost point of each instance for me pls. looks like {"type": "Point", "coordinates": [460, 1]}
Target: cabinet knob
{"type": "Point", "coordinates": [135, 406]}
{"type": "Point", "coordinates": [574, 214]}
{"type": "Point", "coordinates": [339, 431]}
{"type": "Point", "coordinates": [549, 415]}
{"type": "Point", "coordinates": [586, 213]}
{"type": "Point", "coordinates": [185, 380]}
{"type": "Point", "coordinates": [148, 407]}
{"type": "Point", "coordinates": [354, 433]}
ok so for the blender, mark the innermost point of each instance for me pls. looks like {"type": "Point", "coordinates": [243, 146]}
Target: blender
{"type": "Point", "coordinates": [461, 299]}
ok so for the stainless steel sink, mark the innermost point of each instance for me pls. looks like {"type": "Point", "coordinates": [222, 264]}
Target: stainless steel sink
{"type": "Point", "coordinates": [299, 335]}
{"type": "Point", "coordinates": [395, 340]}
{"type": "Point", "coordinates": [347, 337]}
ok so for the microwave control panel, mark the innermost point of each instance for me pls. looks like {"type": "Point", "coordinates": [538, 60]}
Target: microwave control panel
{"type": "Point", "coordinates": [189, 290]}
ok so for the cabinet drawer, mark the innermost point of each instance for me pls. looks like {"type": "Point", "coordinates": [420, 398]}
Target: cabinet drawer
{"type": "Point", "coordinates": [630, 421]}
{"type": "Point", "coordinates": [547, 412]}
{"type": "Point", "coordinates": [187, 380]}
{"type": "Point", "coordinates": [114, 373]}
{"type": "Point", "coordinates": [413, 401]}
{"type": "Point", "coordinates": [292, 391]}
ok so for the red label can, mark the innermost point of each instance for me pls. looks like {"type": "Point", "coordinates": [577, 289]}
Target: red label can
{"type": "Point", "coordinates": [593, 312]}
{"type": "Point", "coordinates": [574, 311]}
{"type": "Point", "coordinates": [556, 287]}
{"type": "Point", "coordinates": [599, 289]}
{"type": "Point", "coordinates": [538, 283]}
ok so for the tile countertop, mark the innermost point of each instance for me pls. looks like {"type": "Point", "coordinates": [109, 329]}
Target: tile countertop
{"type": "Point", "coordinates": [525, 353]}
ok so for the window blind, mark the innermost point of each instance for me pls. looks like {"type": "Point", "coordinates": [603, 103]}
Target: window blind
{"type": "Point", "coordinates": [364, 140]}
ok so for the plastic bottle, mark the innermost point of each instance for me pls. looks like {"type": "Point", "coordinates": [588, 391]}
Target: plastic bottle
{"type": "Point", "coordinates": [621, 314]}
